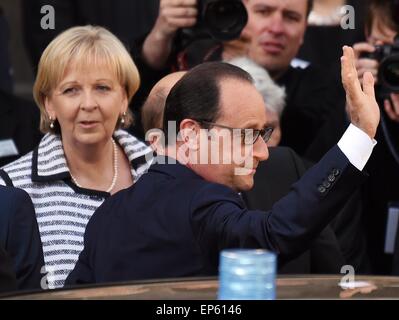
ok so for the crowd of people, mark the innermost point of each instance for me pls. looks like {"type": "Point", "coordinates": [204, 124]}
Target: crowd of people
{"type": "Point", "coordinates": [143, 154]}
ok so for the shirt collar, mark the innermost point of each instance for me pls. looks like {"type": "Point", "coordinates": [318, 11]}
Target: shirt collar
{"type": "Point", "coordinates": [49, 162]}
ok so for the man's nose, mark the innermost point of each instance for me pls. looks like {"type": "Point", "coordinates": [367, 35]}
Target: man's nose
{"type": "Point", "coordinates": [276, 23]}
{"type": "Point", "coordinates": [261, 151]}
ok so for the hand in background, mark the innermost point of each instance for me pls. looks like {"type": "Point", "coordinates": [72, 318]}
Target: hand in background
{"type": "Point", "coordinates": [392, 107]}
{"type": "Point", "coordinates": [365, 64]}
{"type": "Point", "coordinates": [173, 15]}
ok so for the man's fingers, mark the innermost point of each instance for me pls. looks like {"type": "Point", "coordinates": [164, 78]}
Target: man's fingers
{"type": "Point", "coordinates": [349, 74]}
{"type": "Point", "coordinates": [368, 84]}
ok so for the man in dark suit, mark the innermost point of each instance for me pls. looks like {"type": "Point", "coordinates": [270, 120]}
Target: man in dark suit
{"type": "Point", "coordinates": [272, 181]}
{"type": "Point", "coordinates": [8, 282]}
{"type": "Point", "coordinates": [175, 220]}
{"type": "Point", "coordinates": [19, 236]}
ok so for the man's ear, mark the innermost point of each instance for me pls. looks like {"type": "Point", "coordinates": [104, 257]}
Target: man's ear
{"type": "Point", "coordinates": [189, 132]}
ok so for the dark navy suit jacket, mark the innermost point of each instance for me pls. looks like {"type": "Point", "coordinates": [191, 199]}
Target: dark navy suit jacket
{"type": "Point", "coordinates": [19, 236]}
{"type": "Point", "coordinates": [8, 281]}
{"type": "Point", "coordinates": [173, 223]}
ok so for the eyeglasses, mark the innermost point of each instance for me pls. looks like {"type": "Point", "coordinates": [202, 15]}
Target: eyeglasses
{"type": "Point", "coordinates": [249, 136]}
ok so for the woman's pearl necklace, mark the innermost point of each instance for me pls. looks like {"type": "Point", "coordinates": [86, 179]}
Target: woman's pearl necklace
{"type": "Point", "coordinates": [115, 177]}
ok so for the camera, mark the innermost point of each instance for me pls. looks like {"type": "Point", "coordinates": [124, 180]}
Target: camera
{"type": "Point", "coordinates": [221, 19]}
{"type": "Point", "coordinates": [388, 72]}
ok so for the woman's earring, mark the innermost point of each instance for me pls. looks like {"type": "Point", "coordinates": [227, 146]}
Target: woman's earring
{"type": "Point", "coordinates": [52, 126]}
{"type": "Point", "coordinates": [123, 118]}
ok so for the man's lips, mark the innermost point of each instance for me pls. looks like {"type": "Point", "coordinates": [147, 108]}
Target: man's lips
{"type": "Point", "coordinates": [272, 47]}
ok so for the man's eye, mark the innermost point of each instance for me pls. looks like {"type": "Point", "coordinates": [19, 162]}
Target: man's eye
{"type": "Point", "coordinates": [263, 11]}
{"type": "Point", "coordinates": [292, 17]}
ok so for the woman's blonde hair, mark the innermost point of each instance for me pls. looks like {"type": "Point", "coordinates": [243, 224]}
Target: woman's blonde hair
{"type": "Point", "coordinates": [86, 46]}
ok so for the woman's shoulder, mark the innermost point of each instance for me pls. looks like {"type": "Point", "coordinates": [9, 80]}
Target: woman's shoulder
{"type": "Point", "coordinates": [126, 138]}
{"type": "Point", "coordinates": [132, 146]}
{"type": "Point", "coordinates": [18, 168]}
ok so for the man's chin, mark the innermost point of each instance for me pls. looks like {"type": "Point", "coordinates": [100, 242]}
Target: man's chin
{"type": "Point", "coordinates": [247, 184]}
{"type": "Point", "coordinates": [244, 171]}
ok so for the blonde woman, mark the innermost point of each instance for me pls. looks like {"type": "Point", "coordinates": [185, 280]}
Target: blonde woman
{"type": "Point", "coordinates": [84, 83]}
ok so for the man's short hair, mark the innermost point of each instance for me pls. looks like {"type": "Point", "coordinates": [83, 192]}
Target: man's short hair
{"type": "Point", "coordinates": [384, 10]}
{"type": "Point", "coordinates": [196, 95]}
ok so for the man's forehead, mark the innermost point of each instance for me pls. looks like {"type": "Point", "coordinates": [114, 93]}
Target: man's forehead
{"type": "Point", "coordinates": [241, 104]}
{"type": "Point", "coordinates": [295, 5]}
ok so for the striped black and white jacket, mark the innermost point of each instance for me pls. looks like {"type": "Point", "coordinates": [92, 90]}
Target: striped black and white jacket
{"type": "Point", "coordinates": [62, 208]}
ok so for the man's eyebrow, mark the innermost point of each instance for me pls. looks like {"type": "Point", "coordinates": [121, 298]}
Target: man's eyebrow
{"type": "Point", "coordinates": [253, 125]}
{"type": "Point", "coordinates": [292, 12]}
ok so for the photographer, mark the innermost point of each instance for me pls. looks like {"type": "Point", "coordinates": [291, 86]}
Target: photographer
{"type": "Point", "coordinates": [382, 25]}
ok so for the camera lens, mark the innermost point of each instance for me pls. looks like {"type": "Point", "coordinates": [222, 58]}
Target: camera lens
{"type": "Point", "coordinates": [389, 72]}
{"type": "Point", "coordinates": [225, 19]}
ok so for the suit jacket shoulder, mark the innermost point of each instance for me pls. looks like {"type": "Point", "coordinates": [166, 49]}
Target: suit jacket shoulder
{"type": "Point", "coordinates": [19, 235]}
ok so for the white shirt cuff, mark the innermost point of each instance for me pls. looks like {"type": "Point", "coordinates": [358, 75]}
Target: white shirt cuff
{"type": "Point", "coordinates": [357, 146]}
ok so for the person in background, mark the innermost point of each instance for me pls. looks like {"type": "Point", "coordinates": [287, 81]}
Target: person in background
{"type": "Point", "coordinates": [19, 118]}
{"type": "Point", "coordinates": [19, 237]}
{"type": "Point", "coordinates": [325, 34]}
{"type": "Point", "coordinates": [85, 81]}
{"type": "Point", "coordinates": [152, 110]}
{"type": "Point", "coordinates": [381, 27]}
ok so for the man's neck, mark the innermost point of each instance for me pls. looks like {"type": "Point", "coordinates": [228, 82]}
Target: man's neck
{"type": "Point", "coordinates": [278, 74]}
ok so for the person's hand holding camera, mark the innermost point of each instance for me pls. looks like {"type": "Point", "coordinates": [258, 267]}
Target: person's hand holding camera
{"type": "Point", "coordinates": [392, 107]}
{"type": "Point", "coordinates": [366, 64]}
{"type": "Point", "coordinates": [173, 15]}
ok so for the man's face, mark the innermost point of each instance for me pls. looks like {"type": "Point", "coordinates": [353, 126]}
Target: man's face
{"type": "Point", "coordinates": [241, 107]}
{"type": "Point", "coordinates": [277, 28]}
{"type": "Point", "coordinates": [380, 33]}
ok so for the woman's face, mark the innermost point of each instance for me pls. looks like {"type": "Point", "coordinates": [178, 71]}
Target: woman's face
{"type": "Point", "coordinates": [87, 104]}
